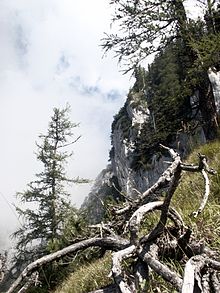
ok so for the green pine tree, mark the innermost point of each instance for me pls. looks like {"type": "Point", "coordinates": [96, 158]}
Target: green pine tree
{"type": "Point", "coordinates": [48, 201]}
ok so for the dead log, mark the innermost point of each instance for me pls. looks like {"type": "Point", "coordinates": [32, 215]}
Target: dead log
{"type": "Point", "coordinates": [108, 242]}
{"type": "Point", "coordinates": [161, 269]}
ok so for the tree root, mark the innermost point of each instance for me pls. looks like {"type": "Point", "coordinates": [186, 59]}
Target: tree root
{"type": "Point", "coordinates": [147, 252]}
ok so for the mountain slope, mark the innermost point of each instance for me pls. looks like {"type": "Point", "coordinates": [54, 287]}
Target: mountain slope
{"type": "Point", "coordinates": [186, 200]}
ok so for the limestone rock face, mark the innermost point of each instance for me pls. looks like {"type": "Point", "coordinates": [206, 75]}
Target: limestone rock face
{"type": "Point", "coordinates": [136, 163]}
{"type": "Point", "coordinates": [133, 173]}
{"type": "Point", "coordinates": [125, 150]}
{"type": "Point", "coordinates": [105, 186]}
{"type": "Point", "coordinates": [214, 78]}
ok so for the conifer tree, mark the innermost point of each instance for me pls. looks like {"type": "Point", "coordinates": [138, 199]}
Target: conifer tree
{"type": "Point", "coordinates": [148, 27]}
{"type": "Point", "coordinates": [46, 197]}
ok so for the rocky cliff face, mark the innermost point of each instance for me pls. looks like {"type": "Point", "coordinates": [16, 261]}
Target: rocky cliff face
{"type": "Point", "coordinates": [105, 187]}
{"type": "Point", "coordinates": [214, 77]}
{"type": "Point", "coordinates": [126, 131]}
{"type": "Point", "coordinates": [133, 168]}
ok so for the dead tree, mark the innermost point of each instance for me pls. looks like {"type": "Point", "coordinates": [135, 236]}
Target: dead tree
{"type": "Point", "coordinates": [201, 264]}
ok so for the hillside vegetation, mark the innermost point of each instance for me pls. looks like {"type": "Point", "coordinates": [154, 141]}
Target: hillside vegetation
{"type": "Point", "coordinates": [187, 197]}
{"type": "Point", "coordinates": [190, 191]}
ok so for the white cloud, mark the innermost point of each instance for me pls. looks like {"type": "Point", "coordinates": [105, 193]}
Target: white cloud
{"type": "Point", "coordinates": [50, 55]}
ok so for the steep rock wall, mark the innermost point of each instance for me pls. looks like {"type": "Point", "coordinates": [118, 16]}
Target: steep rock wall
{"type": "Point", "coordinates": [133, 173]}
{"type": "Point", "coordinates": [105, 186]}
{"type": "Point", "coordinates": [214, 78]}
{"type": "Point", "coordinates": [134, 169]}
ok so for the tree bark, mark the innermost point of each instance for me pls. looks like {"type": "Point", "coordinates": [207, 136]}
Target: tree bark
{"type": "Point", "coordinates": [161, 269]}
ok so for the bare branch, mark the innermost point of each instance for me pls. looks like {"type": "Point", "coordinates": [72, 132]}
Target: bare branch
{"type": "Point", "coordinates": [205, 197]}
{"type": "Point", "coordinates": [116, 268]}
{"type": "Point", "coordinates": [33, 280]}
{"type": "Point", "coordinates": [68, 144]}
{"type": "Point", "coordinates": [189, 167]}
{"type": "Point", "coordinates": [108, 242]}
{"type": "Point", "coordinates": [204, 165]}
{"type": "Point", "coordinates": [177, 219]}
{"type": "Point", "coordinates": [161, 269]}
{"type": "Point", "coordinates": [176, 172]}
{"type": "Point", "coordinates": [135, 220]}
{"type": "Point", "coordinates": [104, 227]}
{"type": "Point", "coordinates": [196, 168]}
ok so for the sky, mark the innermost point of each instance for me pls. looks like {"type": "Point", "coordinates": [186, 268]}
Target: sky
{"type": "Point", "coordinates": [50, 56]}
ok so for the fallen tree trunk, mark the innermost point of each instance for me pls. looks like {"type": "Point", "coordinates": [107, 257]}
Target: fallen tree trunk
{"type": "Point", "coordinates": [109, 242]}
{"type": "Point", "coordinates": [176, 240]}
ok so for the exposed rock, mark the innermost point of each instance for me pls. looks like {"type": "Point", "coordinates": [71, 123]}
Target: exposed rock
{"type": "Point", "coordinates": [105, 186]}
{"type": "Point", "coordinates": [214, 78]}
{"type": "Point", "coordinates": [135, 123]}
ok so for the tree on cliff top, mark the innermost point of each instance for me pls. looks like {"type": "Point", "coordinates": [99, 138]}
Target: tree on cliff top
{"type": "Point", "coordinates": [147, 27]}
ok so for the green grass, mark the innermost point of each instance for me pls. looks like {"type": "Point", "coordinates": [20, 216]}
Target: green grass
{"type": "Point", "coordinates": [89, 277]}
{"type": "Point", "coordinates": [190, 192]}
{"type": "Point", "coordinates": [186, 199]}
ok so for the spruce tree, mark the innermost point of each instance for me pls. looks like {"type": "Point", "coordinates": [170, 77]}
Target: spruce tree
{"type": "Point", "coordinates": [46, 197]}
{"type": "Point", "coordinates": [151, 27]}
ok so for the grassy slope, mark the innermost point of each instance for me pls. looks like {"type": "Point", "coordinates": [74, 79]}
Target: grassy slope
{"type": "Point", "coordinates": [88, 277]}
{"type": "Point", "coordinates": [186, 200]}
{"type": "Point", "coordinates": [190, 191]}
